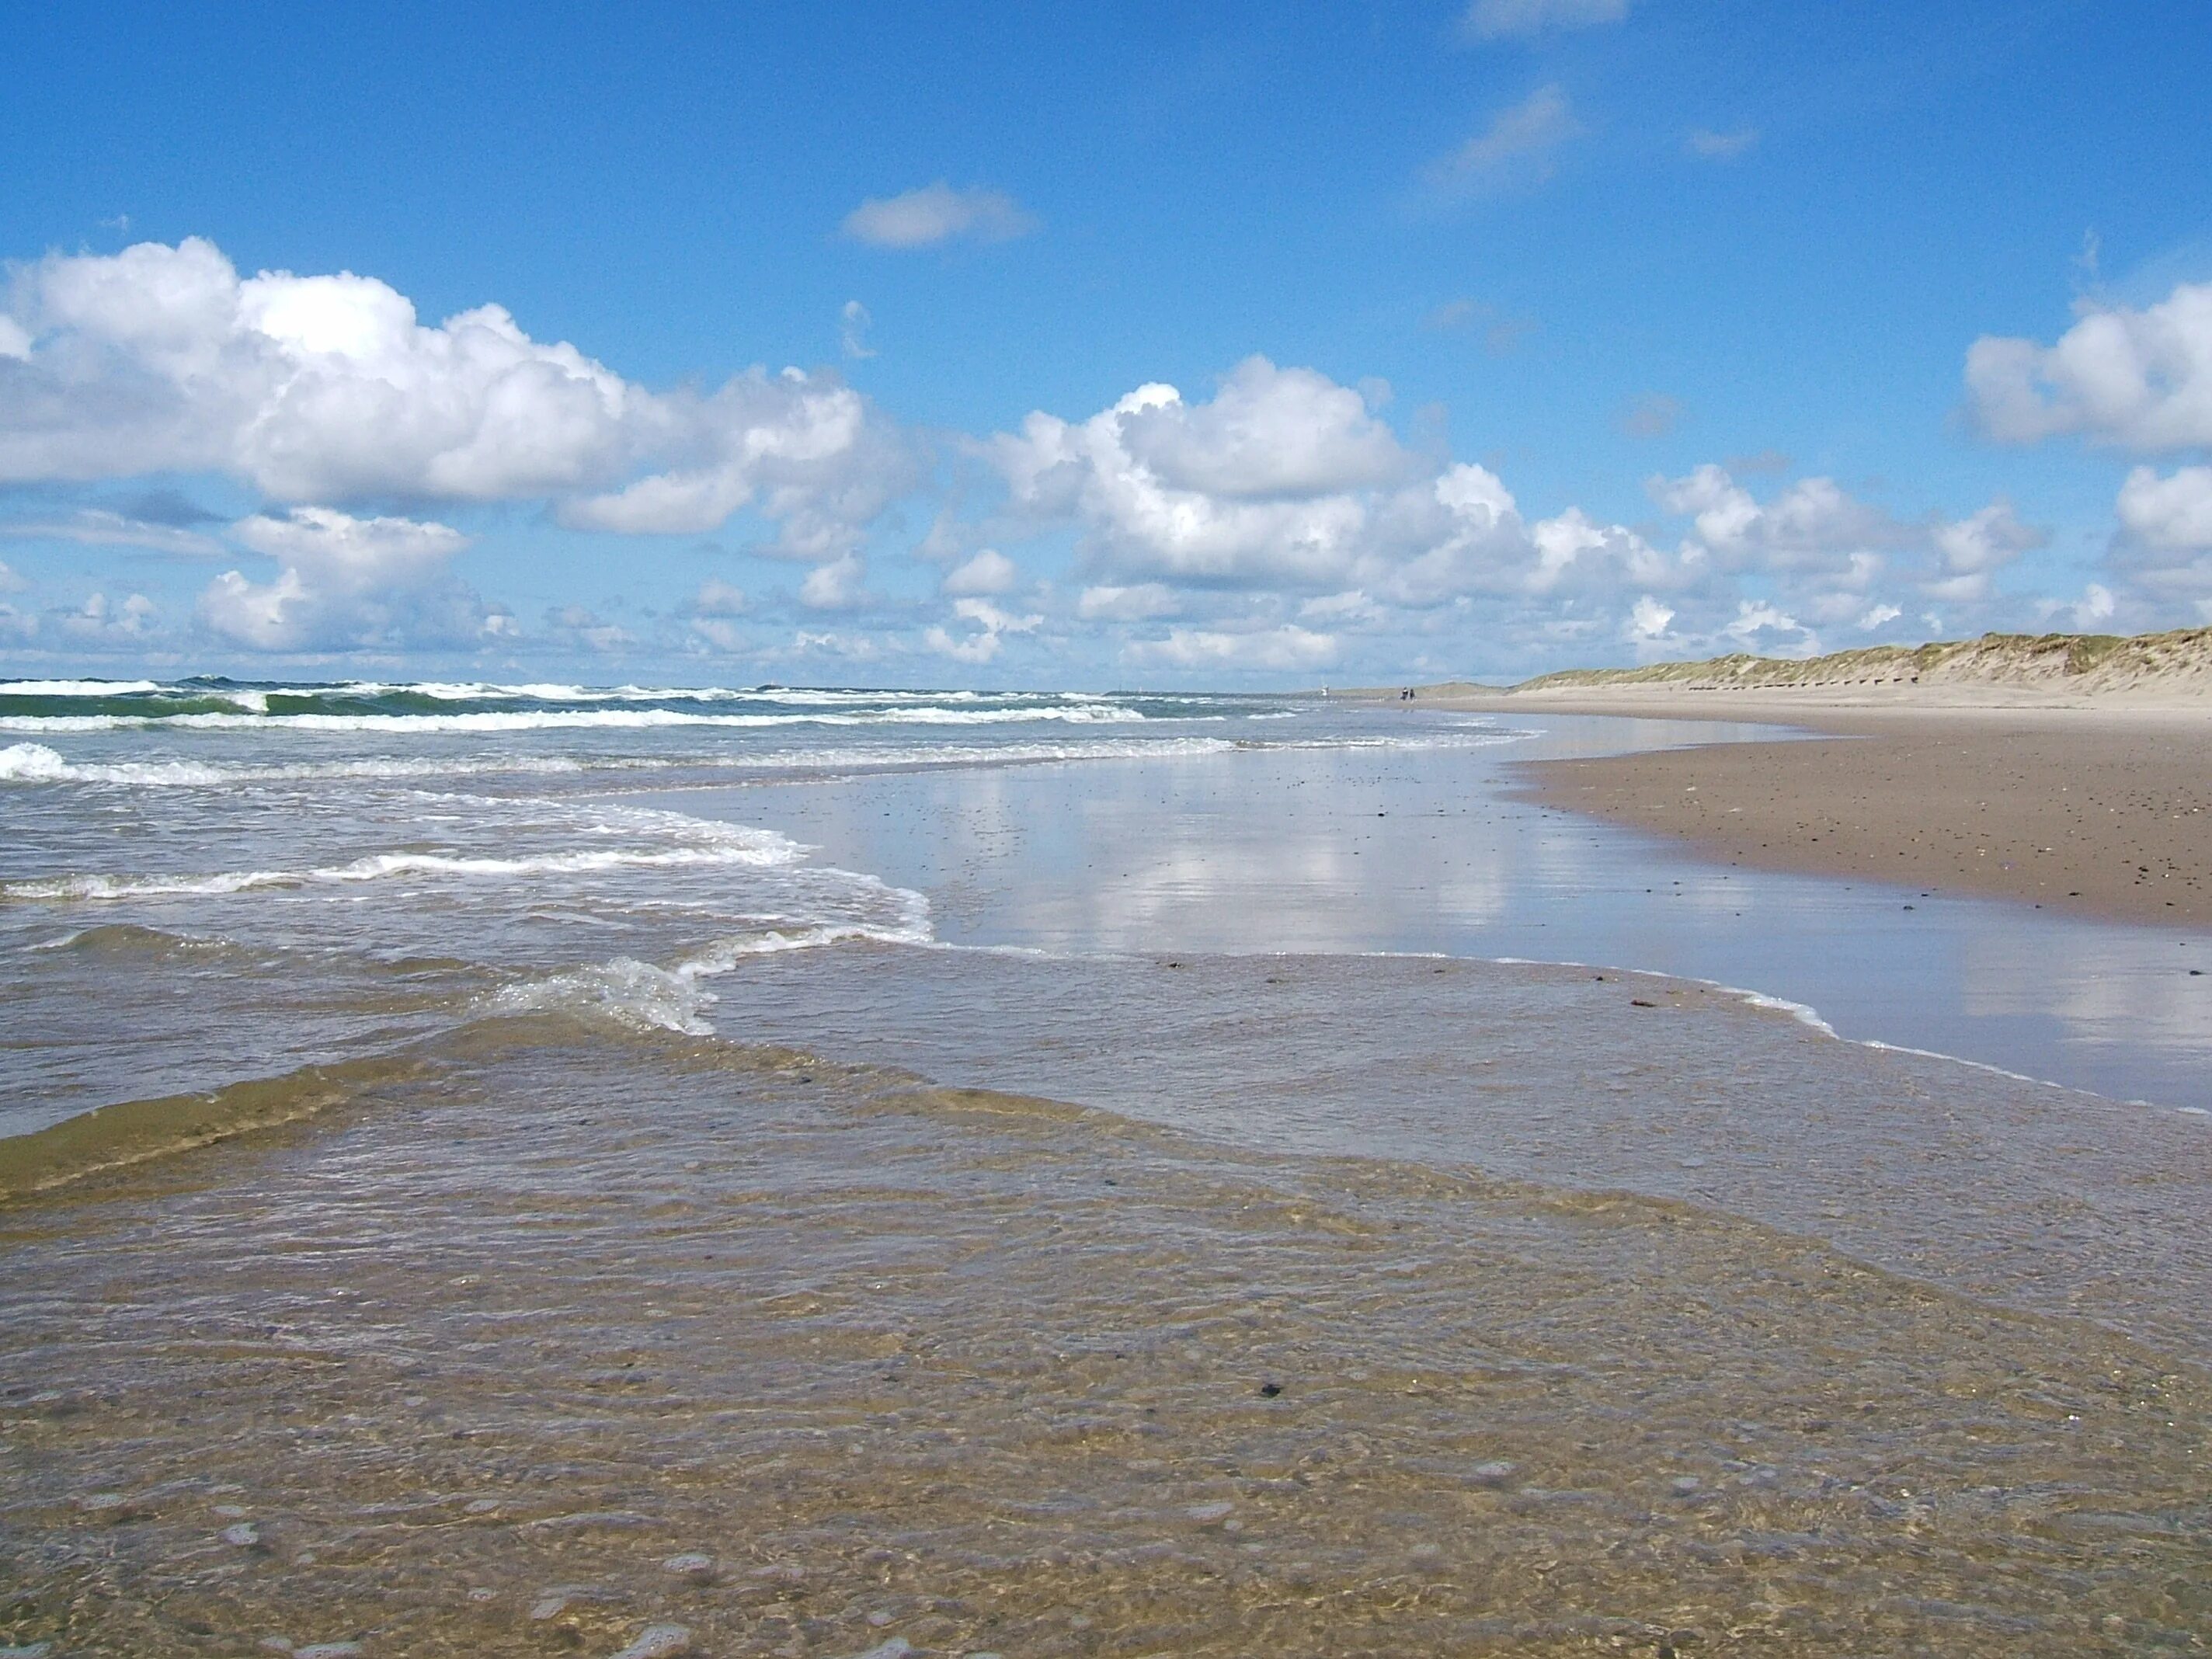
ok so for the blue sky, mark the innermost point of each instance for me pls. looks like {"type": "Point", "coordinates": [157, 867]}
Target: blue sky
{"type": "Point", "coordinates": [1501, 335]}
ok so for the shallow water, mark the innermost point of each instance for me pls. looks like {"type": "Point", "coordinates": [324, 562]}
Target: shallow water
{"type": "Point", "coordinates": [804, 1360]}
{"type": "Point", "coordinates": [1429, 849]}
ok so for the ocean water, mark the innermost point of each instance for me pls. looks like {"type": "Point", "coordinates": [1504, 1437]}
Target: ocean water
{"type": "Point", "coordinates": [538, 1168]}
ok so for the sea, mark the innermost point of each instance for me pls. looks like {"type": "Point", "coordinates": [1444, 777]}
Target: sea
{"type": "Point", "coordinates": [514, 1168]}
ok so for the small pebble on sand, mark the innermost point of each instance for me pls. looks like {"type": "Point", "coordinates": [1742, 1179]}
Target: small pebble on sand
{"type": "Point", "coordinates": [695, 1564]}
{"type": "Point", "coordinates": [245, 1536]}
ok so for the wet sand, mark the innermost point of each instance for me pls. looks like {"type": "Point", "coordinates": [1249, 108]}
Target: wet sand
{"type": "Point", "coordinates": [2099, 811]}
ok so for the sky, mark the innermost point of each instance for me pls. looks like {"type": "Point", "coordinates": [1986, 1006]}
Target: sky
{"type": "Point", "coordinates": [1095, 346]}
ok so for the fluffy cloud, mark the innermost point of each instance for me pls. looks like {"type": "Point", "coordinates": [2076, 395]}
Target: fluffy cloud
{"type": "Point", "coordinates": [936, 214]}
{"type": "Point", "coordinates": [2093, 612]}
{"type": "Point", "coordinates": [1830, 550]}
{"type": "Point", "coordinates": [344, 582]}
{"type": "Point", "coordinates": [2140, 379]}
{"type": "Point", "coordinates": [1284, 480]}
{"type": "Point", "coordinates": [2174, 512]}
{"type": "Point", "coordinates": [1813, 526]}
{"type": "Point", "coordinates": [2163, 551]}
{"type": "Point", "coordinates": [327, 389]}
{"type": "Point", "coordinates": [1516, 147]}
{"type": "Point", "coordinates": [1973, 549]}
{"type": "Point", "coordinates": [981, 644]}
{"type": "Point", "coordinates": [102, 623]}
{"type": "Point", "coordinates": [989, 572]}
{"type": "Point", "coordinates": [836, 585]}
{"type": "Point", "coordinates": [1648, 620]}
{"type": "Point", "coordinates": [1496, 19]}
{"type": "Point", "coordinates": [1269, 433]}
{"type": "Point", "coordinates": [810, 454]}
{"type": "Point", "coordinates": [1283, 517]}
{"type": "Point", "coordinates": [707, 618]}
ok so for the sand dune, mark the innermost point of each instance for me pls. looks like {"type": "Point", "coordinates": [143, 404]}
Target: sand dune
{"type": "Point", "coordinates": [2175, 665]}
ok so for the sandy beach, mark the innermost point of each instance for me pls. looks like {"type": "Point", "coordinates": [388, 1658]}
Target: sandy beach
{"type": "Point", "coordinates": [2101, 809]}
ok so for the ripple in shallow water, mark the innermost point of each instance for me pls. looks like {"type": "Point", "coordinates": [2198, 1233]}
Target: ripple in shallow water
{"type": "Point", "coordinates": [476, 1363]}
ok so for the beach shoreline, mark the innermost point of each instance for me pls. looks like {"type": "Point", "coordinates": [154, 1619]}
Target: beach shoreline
{"type": "Point", "coordinates": [2099, 809]}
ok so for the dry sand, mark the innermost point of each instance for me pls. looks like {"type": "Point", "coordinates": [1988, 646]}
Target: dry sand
{"type": "Point", "coordinates": [2104, 808]}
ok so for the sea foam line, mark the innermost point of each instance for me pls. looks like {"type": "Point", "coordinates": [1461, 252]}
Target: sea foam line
{"type": "Point", "coordinates": [773, 850]}
{"type": "Point", "coordinates": [644, 996]}
{"type": "Point", "coordinates": [569, 719]}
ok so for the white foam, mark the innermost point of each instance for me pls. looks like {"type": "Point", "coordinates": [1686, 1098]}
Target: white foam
{"type": "Point", "coordinates": [758, 848]}
{"type": "Point", "coordinates": [566, 720]}
{"type": "Point", "coordinates": [1803, 1013]}
{"type": "Point", "coordinates": [631, 992]}
{"type": "Point", "coordinates": [642, 996]}
{"type": "Point", "coordinates": [33, 762]}
{"type": "Point", "coordinates": [73, 687]}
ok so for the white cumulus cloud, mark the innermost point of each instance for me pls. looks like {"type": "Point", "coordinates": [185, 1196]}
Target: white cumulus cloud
{"type": "Point", "coordinates": [2141, 379]}
{"type": "Point", "coordinates": [988, 572]}
{"type": "Point", "coordinates": [2173, 512]}
{"type": "Point", "coordinates": [1648, 620]}
{"type": "Point", "coordinates": [835, 585]}
{"type": "Point", "coordinates": [1973, 549]}
{"type": "Point", "coordinates": [1268, 432]}
{"type": "Point", "coordinates": [330, 390]}
{"type": "Point", "coordinates": [344, 582]}
{"type": "Point", "coordinates": [101, 622]}
{"type": "Point", "coordinates": [981, 644]}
